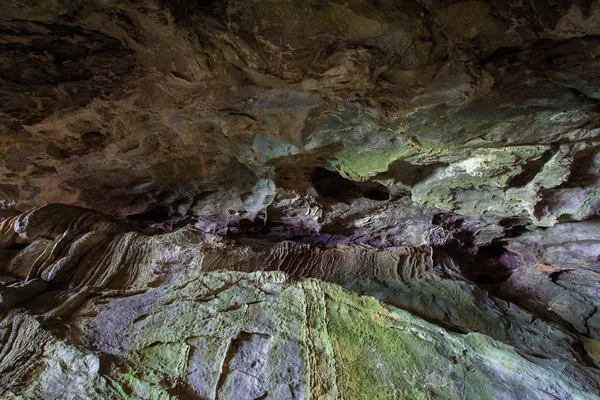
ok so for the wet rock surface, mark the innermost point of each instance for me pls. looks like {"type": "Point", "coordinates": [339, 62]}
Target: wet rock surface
{"type": "Point", "coordinates": [299, 199]}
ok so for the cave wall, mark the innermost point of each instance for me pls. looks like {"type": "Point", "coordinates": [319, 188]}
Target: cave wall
{"type": "Point", "coordinates": [299, 199]}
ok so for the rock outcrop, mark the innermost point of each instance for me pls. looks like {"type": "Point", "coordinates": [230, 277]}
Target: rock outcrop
{"type": "Point", "coordinates": [300, 199]}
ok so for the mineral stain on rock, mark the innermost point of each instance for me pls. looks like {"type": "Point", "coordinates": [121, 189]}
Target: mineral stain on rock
{"type": "Point", "coordinates": [248, 199]}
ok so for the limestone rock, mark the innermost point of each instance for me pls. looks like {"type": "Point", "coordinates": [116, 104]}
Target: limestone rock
{"type": "Point", "coordinates": [315, 199]}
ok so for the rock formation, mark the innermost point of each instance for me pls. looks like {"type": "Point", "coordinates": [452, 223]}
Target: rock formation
{"type": "Point", "coordinates": [284, 199]}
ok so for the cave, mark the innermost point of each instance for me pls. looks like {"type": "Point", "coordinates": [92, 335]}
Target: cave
{"type": "Point", "coordinates": [284, 199]}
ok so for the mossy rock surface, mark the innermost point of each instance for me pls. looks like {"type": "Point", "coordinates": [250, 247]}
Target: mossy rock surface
{"type": "Point", "coordinates": [238, 335]}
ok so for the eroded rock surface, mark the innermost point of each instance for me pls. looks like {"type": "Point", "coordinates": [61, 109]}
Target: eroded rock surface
{"type": "Point", "coordinates": [300, 199]}
{"type": "Point", "coordinates": [111, 312]}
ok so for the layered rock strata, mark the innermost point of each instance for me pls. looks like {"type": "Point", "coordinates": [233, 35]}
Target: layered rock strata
{"type": "Point", "coordinates": [299, 199]}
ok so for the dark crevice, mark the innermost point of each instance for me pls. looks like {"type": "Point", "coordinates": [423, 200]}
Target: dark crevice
{"type": "Point", "coordinates": [232, 351]}
{"type": "Point", "coordinates": [93, 135]}
{"type": "Point", "coordinates": [184, 11]}
{"type": "Point", "coordinates": [584, 356]}
{"type": "Point", "coordinates": [410, 174]}
{"type": "Point", "coordinates": [492, 250]}
{"type": "Point", "coordinates": [553, 276]}
{"type": "Point", "coordinates": [155, 214]}
{"type": "Point", "coordinates": [332, 186]}
{"type": "Point", "coordinates": [203, 196]}
{"type": "Point", "coordinates": [17, 246]}
{"type": "Point", "coordinates": [587, 319]}
{"type": "Point", "coordinates": [487, 264]}
{"type": "Point", "coordinates": [504, 53]}
{"type": "Point", "coordinates": [513, 227]}
{"type": "Point", "coordinates": [531, 169]}
{"type": "Point", "coordinates": [263, 396]}
{"type": "Point", "coordinates": [378, 194]}
{"type": "Point", "coordinates": [583, 169]}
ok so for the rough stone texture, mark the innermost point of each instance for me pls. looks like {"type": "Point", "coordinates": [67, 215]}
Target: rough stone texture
{"type": "Point", "coordinates": [299, 199]}
{"type": "Point", "coordinates": [215, 111]}
{"type": "Point", "coordinates": [107, 312]}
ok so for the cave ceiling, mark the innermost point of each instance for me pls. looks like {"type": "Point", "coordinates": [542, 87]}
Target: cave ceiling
{"type": "Point", "coordinates": [300, 199]}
